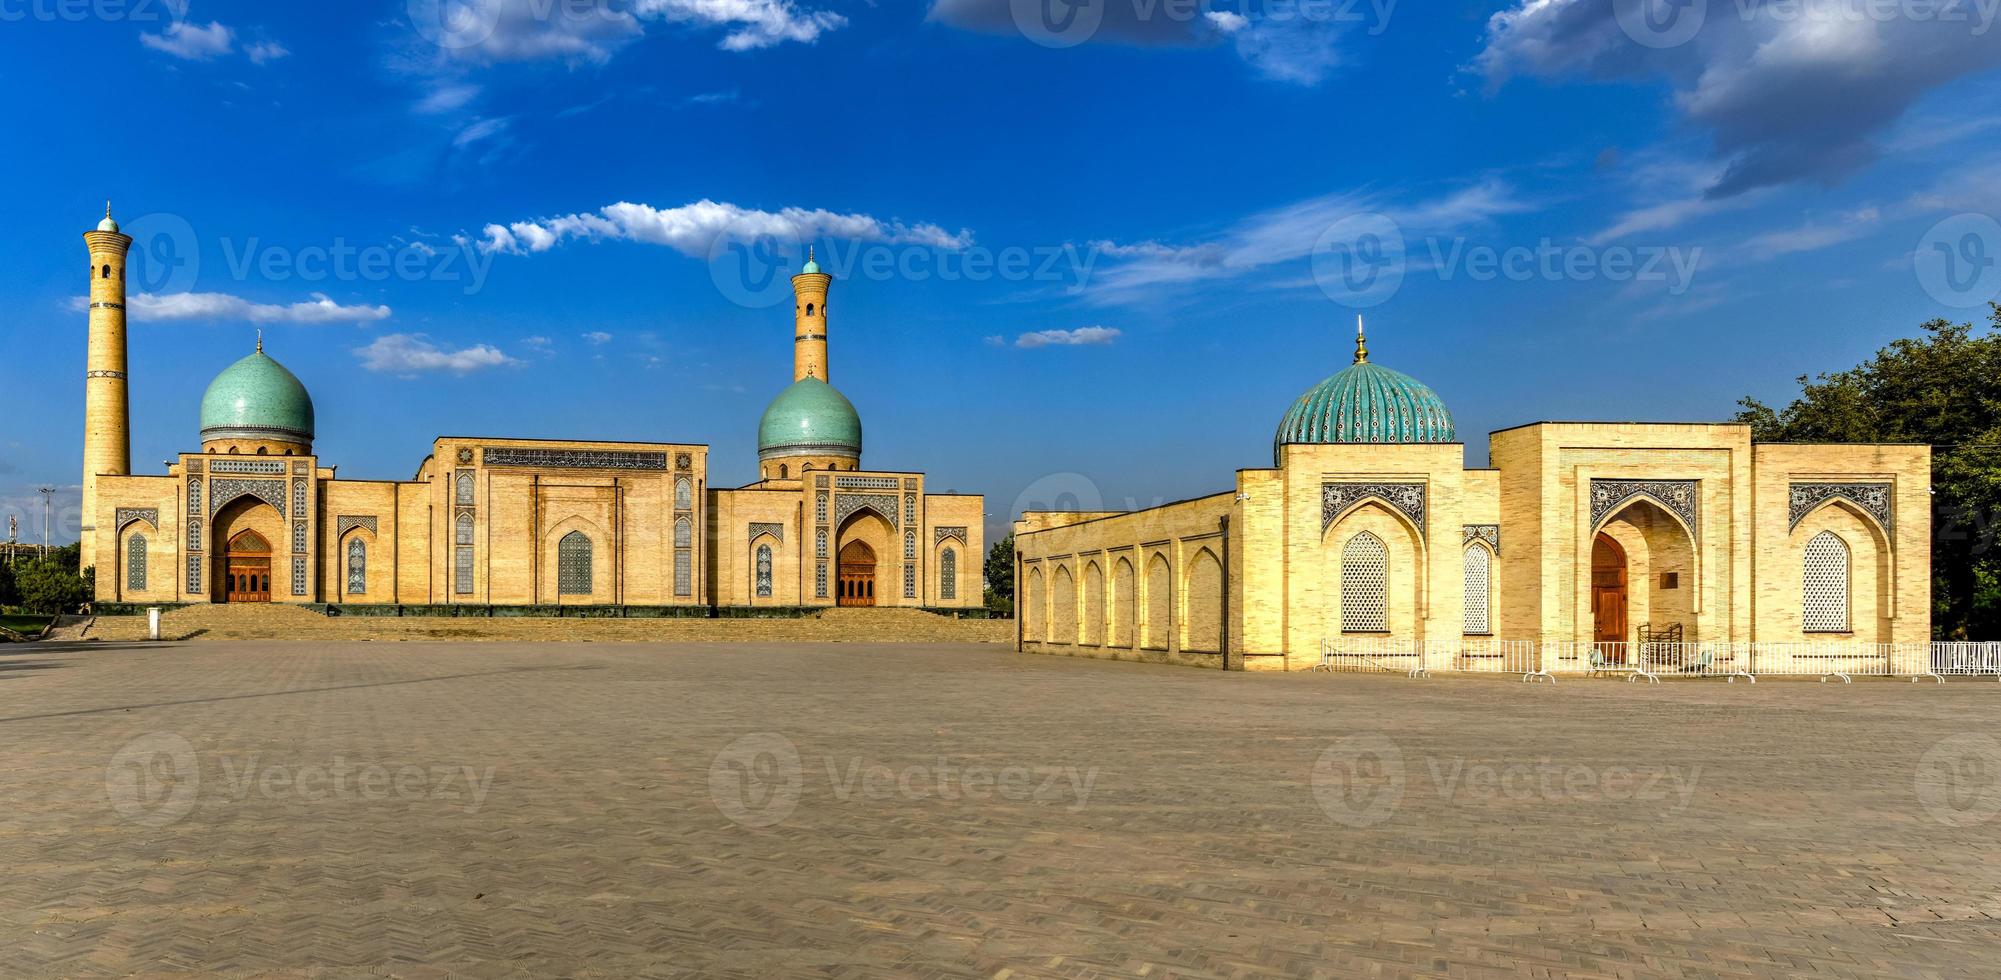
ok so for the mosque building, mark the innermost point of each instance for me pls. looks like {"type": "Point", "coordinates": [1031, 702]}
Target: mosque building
{"type": "Point", "coordinates": [256, 516]}
{"type": "Point", "coordinates": [1369, 529]}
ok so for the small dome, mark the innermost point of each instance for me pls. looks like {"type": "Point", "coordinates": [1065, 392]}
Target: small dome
{"type": "Point", "coordinates": [256, 398]}
{"type": "Point", "coordinates": [810, 418]}
{"type": "Point", "coordinates": [107, 224]}
{"type": "Point", "coordinates": [1367, 403]}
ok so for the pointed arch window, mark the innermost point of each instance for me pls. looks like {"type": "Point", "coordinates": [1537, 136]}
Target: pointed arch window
{"type": "Point", "coordinates": [464, 485]}
{"type": "Point", "coordinates": [1824, 585]}
{"type": "Point", "coordinates": [764, 571]}
{"type": "Point", "coordinates": [135, 563]}
{"type": "Point", "coordinates": [573, 564]}
{"type": "Point", "coordinates": [1365, 585]}
{"type": "Point", "coordinates": [357, 567]}
{"type": "Point", "coordinates": [948, 575]}
{"type": "Point", "coordinates": [1479, 591]}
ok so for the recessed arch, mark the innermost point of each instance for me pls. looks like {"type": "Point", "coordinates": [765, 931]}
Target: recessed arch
{"type": "Point", "coordinates": [1094, 605]}
{"type": "Point", "coordinates": [1035, 607]}
{"type": "Point", "coordinates": [1202, 620]}
{"type": "Point", "coordinates": [1063, 606]}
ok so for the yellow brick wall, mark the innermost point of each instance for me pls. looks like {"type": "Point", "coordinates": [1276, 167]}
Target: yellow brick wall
{"type": "Point", "coordinates": [1890, 574]}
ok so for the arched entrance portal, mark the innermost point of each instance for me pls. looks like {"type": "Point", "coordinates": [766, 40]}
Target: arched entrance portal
{"type": "Point", "coordinates": [247, 569]}
{"type": "Point", "coordinates": [1608, 596]}
{"type": "Point", "coordinates": [857, 574]}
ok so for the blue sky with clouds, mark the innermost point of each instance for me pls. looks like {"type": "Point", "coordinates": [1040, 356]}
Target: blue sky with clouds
{"type": "Point", "coordinates": [1085, 250]}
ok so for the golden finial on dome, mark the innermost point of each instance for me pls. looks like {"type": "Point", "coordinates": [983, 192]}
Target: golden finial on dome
{"type": "Point", "coordinates": [1361, 342]}
{"type": "Point", "coordinates": [260, 340]}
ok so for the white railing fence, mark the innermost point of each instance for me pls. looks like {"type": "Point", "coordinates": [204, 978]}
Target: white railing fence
{"type": "Point", "coordinates": [1532, 660]}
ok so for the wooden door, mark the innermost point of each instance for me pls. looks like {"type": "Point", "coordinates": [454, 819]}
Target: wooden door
{"type": "Point", "coordinates": [857, 575]}
{"type": "Point", "coordinates": [1608, 591]}
{"type": "Point", "coordinates": [247, 569]}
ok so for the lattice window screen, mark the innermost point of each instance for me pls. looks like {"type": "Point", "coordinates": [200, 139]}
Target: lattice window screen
{"type": "Point", "coordinates": [1824, 588]}
{"type": "Point", "coordinates": [948, 575]}
{"type": "Point", "coordinates": [764, 571]}
{"type": "Point", "coordinates": [135, 563]}
{"type": "Point", "coordinates": [573, 564]}
{"type": "Point", "coordinates": [357, 568]}
{"type": "Point", "coordinates": [909, 581]}
{"type": "Point", "coordinates": [1479, 601]}
{"type": "Point", "coordinates": [1365, 585]}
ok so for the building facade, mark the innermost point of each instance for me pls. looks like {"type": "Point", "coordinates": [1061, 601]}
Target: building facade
{"type": "Point", "coordinates": [1368, 526]}
{"type": "Point", "coordinates": [257, 516]}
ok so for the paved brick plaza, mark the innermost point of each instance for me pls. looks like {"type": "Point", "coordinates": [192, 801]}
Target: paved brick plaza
{"type": "Point", "coordinates": [499, 810]}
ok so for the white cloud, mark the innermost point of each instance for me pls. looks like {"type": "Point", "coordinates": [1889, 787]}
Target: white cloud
{"type": "Point", "coordinates": [598, 338]}
{"type": "Point", "coordinates": [447, 96]}
{"type": "Point", "coordinates": [1080, 337]}
{"type": "Point", "coordinates": [1813, 235]}
{"type": "Point", "coordinates": [414, 353]}
{"type": "Point", "coordinates": [1229, 22]}
{"type": "Point", "coordinates": [1290, 234]}
{"type": "Point", "coordinates": [594, 30]}
{"type": "Point", "coordinates": [753, 24]}
{"type": "Point", "coordinates": [266, 51]}
{"type": "Point", "coordinates": [482, 129]}
{"type": "Point", "coordinates": [184, 39]}
{"type": "Point", "coordinates": [1792, 91]}
{"type": "Point", "coordinates": [177, 307]}
{"type": "Point", "coordinates": [692, 229]}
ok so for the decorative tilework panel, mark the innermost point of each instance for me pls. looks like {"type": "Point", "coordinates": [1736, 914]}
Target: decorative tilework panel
{"type": "Point", "coordinates": [820, 581]}
{"type": "Point", "coordinates": [462, 571]}
{"type": "Point", "coordinates": [948, 575]}
{"type": "Point", "coordinates": [867, 483]}
{"type": "Point", "coordinates": [1680, 496]}
{"type": "Point", "coordinates": [684, 533]}
{"type": "Point", "coordinates": [224, 491]}
{"type": "Point", "coordinates": [299, 575]}
{"type": "Point", "coordinates": [1873, 498]}
{"type": "Point", "coordinates": [574, 459]}
{"type": "Point", "coordinates": [909, 508]}
{"type": "Point", "coordinates": [882, 503]}
{"type": "Point", "coordinates": [463, 494]}
{"type": "Point", "coordinates": [135, 563]}
{"type": "Point", "coordinates": [263, 467]}
{"type": "Point", "coordinates": [775, 530]}
{"type": "Point", "coordinates": [357, 567]}
{"type": "Point", "coordinates": [909, 581]}
{"type": "Point", "coordinates": [820, 543]}
{"type": "Point", "coordinates": [194, 574]}
{"type": "Point", "coordinates": [349, 522]}
{"type": "Point", "coordinates": [194, 533]}
{"type": "Point", "coordinates": [465, 531]}
{"type": "Point", "coordinates": [127, 515]}
{"type": "Point", "coordinates": [764, 571]}
{"type": "Point", "coordinates": [299, 498]}
{"type": "Point", "coordinates": [684, 493]}
{"type": "Point", "coordinates": [1490, 533]}
{"type": "Point", "coordinates": [1409, 498]}
{"type": "Point", "coordinates": [684, 573]}
{"type": "Point", "coordinates": [942, 533]}
{"type": "Point", "coordinates": [910, 546]}
{"type": "Point", "coordinates": [298, 537]}
{"type": "Point", "coordinates": [820, 507]}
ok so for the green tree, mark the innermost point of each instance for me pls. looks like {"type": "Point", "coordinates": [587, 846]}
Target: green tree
{"type": "Point", "coordinates": [1943, 389]}
{"type": "Point", "coordinates": [8, 595]}
{"type": "Point", "coordinates": [1000, 574]}
{"type": "Point", "coordinates": [49, 587]}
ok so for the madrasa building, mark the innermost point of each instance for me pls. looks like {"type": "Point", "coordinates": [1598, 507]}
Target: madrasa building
{"type": "Point", "coordinates": [1369, 533]}
{"type": "Point", "coordinates": [632, 527]}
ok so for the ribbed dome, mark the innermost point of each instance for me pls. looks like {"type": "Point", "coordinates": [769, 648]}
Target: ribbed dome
{"type": "Point", "coordinates": [256, 398]}
{"type": "Point", "coordinates": [1367, 403]}
{"type": "Point", "coordinates": [810, 418]}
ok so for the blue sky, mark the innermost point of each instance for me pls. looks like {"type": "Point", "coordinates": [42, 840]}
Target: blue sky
{"type": "Point", "coordinates": [1094, 260]}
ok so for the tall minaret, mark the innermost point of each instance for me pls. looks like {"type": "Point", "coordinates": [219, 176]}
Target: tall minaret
{"type": "Point", "coordinates": [809, 323]}
{"type": "Point", "coordinates": [107, 426]}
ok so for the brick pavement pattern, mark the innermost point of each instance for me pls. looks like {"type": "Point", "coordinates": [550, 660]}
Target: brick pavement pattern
{"type": "Point", "coordinates": [261, 808]}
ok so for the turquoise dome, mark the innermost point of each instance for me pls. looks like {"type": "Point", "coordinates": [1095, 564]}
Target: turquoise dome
{"type": "Point", "coordinates": [809, 418]}
{"type": "Point", "coordinates": [1367, 403]}
{"type": "Point", "coordinates": [256, 398]}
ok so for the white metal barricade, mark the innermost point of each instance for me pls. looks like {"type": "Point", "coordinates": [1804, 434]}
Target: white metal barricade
{"type": "Point", "coordinates": [1962, 659]}
{"type": "Point", "coordinates": [1371, 655]}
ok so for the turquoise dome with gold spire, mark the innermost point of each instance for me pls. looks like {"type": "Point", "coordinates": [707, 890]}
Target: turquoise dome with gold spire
{"type": "Point", "coordinates": [257, 398]}
{"type": "Point", "coordinates": [1369, 404]}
